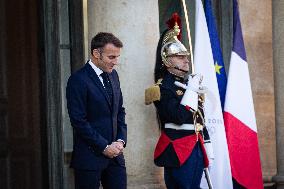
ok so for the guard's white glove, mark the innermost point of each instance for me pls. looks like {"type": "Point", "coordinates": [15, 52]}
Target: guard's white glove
{"type": "Point", "coordinates": [190, 97]}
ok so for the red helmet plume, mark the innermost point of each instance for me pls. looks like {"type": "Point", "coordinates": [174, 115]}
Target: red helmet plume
{"type": "Point", "coordinates": [175, 19]}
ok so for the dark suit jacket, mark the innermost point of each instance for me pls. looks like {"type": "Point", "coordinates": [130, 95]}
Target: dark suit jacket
{"type": "Point", "coordinates": [96, 123]}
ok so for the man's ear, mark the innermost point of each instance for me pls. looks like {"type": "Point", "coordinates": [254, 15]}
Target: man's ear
{"type": "Point", "coordinates": [96, 53]}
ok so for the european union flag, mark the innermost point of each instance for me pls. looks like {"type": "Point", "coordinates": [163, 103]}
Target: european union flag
{"type": "Point", "coordinates": [216, 51]}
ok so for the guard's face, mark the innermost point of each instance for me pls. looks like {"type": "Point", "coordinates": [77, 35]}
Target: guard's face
{"type": "Point", "coordinates": [107, 57]}
{"type": "Point", "coordinates": [181, 62]}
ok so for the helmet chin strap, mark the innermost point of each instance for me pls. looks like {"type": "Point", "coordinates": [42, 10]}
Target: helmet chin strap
{"type": "Point", "coordinates": [170, 65]}
{"type": "Point", "coordinates": [179, 69]}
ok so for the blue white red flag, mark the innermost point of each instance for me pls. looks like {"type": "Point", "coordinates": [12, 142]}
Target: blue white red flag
{"type": "Point", "coordinates": [239, 115]}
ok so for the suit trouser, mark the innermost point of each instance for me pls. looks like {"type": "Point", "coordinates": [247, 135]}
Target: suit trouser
{"type": "Point", "coordinates": [112, 177]}
{"type": "Point", "coordinates": [189, 175]}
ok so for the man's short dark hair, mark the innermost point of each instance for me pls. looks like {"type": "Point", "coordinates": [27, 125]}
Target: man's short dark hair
{"type": "Point", "coordinates": [103, 38]}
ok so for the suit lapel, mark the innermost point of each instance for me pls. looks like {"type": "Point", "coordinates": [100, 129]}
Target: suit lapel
{"type": "Point", "coordinates": [97, 81]}
{"type": "Point", "coordinates": [114, 103]}
{"type": "Point", "coordinates": [114, 91]}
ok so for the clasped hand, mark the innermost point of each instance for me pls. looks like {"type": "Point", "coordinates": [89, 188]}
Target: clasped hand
{"type": "Point", "coordinates": [114, 149]}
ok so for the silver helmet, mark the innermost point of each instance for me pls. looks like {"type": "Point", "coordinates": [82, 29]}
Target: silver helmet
{"type": "Point", "coordinates": [171, 46]}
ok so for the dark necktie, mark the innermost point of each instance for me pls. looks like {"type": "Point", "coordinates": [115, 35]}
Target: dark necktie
{"type": "Point", "coordinates": [107, 85]}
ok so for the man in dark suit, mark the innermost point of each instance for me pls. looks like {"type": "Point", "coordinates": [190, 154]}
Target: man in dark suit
{"type": "Point", "coordinates": [97, 115]}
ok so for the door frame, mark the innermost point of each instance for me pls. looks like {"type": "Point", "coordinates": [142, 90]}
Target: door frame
{"type": "Point", "coordinates": [51, 94]}
{"type": "Point", "coordinates": [51, 111]}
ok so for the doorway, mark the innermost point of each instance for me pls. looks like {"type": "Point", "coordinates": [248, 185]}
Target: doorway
{"type": "Point", "coordinates": [20, 118]}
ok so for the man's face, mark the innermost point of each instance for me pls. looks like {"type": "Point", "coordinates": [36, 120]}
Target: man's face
{"type": "Point", "coordinates": [181, 62]}
{"type": "Point", "coordinates": [107, 57]}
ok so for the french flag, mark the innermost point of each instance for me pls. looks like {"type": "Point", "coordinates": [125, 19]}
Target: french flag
{"type": "Point", "coordinates": [239, 115]}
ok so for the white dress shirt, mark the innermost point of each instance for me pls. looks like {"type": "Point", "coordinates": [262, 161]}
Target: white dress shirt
{"type": "Point", "coordinates": [97, 70]}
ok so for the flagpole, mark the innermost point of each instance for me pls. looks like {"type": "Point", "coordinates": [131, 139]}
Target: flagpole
{"type": "Point", "coordinates": [188, 34]}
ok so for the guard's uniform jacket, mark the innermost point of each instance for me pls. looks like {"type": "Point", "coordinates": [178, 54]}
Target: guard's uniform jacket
{"type": "Point", "coordinates": [175, 146]}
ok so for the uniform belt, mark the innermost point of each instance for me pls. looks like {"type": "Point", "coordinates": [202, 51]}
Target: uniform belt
{"type": "Point", "coordinates": [180, 127]}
